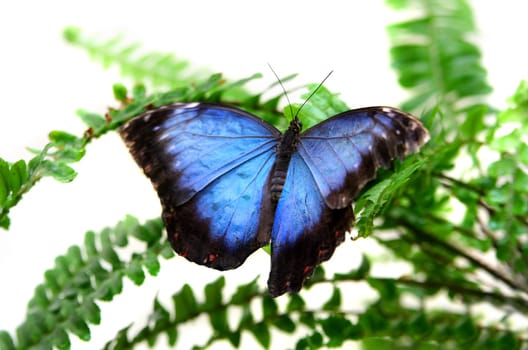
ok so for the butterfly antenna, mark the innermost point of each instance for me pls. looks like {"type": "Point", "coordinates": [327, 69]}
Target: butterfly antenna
{"type": "Point", "coordinates": [283, 89]}
{"type": "Point", "coordinates": [313, 92]}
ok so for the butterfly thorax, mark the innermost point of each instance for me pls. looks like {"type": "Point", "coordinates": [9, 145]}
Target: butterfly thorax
{"type": "Point", "coordinates": [287, 146]}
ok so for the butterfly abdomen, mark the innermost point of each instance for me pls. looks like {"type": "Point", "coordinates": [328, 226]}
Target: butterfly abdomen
{"type": "Point", "coordinates": [286, 148]}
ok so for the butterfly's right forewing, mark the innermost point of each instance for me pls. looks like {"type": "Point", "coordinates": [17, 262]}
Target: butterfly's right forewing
{"type": "Point", "coordinates": [344, 152]}
{"type": "Point", "coordinates": [210, 165]}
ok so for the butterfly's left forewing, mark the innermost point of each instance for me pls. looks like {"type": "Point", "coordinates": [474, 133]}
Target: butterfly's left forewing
{"type": "Point", "coordinates": [210, 165]}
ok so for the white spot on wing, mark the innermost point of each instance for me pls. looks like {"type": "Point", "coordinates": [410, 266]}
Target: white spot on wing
{"type": "Point", "coordinates": [191, 105]}
{"type": "Point", "coordinates": [163, 136]}
{"type": "Point", "coordinates": [146, 116]}
{"type": "Point", "coordinates": [389, 111]}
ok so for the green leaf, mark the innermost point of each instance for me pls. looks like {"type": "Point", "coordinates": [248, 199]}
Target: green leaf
{"type": "Point", "coordinates": [247, 317]}
{"type": "Point", "coordinates": [120, 92]}
{"type": "Point", "coordinates": [63, 138]}
{"type": "Point", "coordinates": [139, 91]}
{"type": "Point", "coordinates": [213, 81]}
{"type": "Point", "coordinates": [71, 34]}
{"type": "Point", "coordinates": [474, 121]}
{"type": "Point", "coordinates": [269, 307]}
{"type": "Point", "coordinates": [285, 324]}
{"type": "Point", "coordinates": [508, 341]}
{"type": "Point", "coordinates": [151, 263]}
{"type": "Point", "coordinates": [245, 292]}
{"type": "Point", "coordinates": [419, 325]}
{"type": "Point", "coordinates": [79, 327]}
{"type": "Point", "coordinates": [295, 303]}
{"type": "Point", "coordinates": [61, 339]}
{"type": "Point", "coordinates": [92, 120]}
{"type": "Point", "coordinates": [74, 257]}
{"type": "Point", "coordinates": [109, 288]}
{"type": "Point", "coordinates": [148, 233]}
{"type": "Point", "coordinates": [50, 276]}
{"type": "Point", "coordinates": [90, 245]}
{"type": "Point", "coordinates": [40, 298]}
{"type": "Point", "coordinates": [308, 319]}
{"type": "Point", "coordinates": [213, 293]}
{"type": "Point", "coordinates": [90, 312]}
{"type": "Point", "coordinates": [465, 330]}
{"type": "Point", "coordinates": [59, 171]}
{"type": "Point", "coordinates": [135, 272]}
{"type": "Point", "coordinates": [313, 341]}
{"type": "Point", "coordinates": [4, 181]}
{"type": "Point", "coordinates": [219, 321]}
{"type": "Point", "coordinates": [507, 143]}
{"type": "Point", "coordinates": [262, 334]}
{"type": "Point", "coordinates": [335, 300]}
{"type": "Point", "coordinates": [172, 335]}
{"type": "Point", "coordinates": [337, 329]}
{"type": "Point", "coordinates": [234, 338]}
{"type": "Point", "coordinates": [375, 199]}
{"type": "Point", "coordinates": [18, 175]}
{"type": "Point", "coordinates": [4, 219]}
{"type": "Point", "coordinates": [185, 304]}
{"type": "Point", "coordinates": [372, 322]}
{"type": "Point", "coordinates": [167, 252]}
{"type": "Point", "coordinates": [160, 317]}
{"type": "Point", "coordinates": [110, 255]}
{"type": "Point", "coordinates": [6, 342]}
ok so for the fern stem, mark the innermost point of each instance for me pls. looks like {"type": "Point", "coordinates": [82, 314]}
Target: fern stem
{"type": "Point", "coordinates": [423, 235]}
{"type": "Point", "coordinates": [518, 303]}
{"type": "Point", "coordinates": [434, 58]}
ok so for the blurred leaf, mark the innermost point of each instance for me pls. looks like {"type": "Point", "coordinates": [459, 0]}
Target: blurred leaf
{"type": "Point", "coordinates": [120, 92]}
{"type": "Point", "coordinates": [185, 304]}
{"type": "Point", "coordinates": [262, 334]}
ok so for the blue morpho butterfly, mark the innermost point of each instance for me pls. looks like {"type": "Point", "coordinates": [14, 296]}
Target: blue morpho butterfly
{"type": "Point", "coordinates": [230, 182]}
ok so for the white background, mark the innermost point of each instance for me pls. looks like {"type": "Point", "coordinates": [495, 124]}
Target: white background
{"type": "Point", "coordinates": [43, 81]}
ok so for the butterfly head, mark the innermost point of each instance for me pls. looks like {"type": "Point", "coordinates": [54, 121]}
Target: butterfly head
{"type": "Point", "coordinates": [296, 125]}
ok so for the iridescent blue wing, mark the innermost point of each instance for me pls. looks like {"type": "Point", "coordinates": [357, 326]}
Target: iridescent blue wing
{"type": "Point", "coordinates": [210, 166]}
{"type": "Point", "coordinates": [333, 162]}
{"type": "Point", "coordinates": [305, 232]}
{"type": "Point", "coordinates": [344, 152]}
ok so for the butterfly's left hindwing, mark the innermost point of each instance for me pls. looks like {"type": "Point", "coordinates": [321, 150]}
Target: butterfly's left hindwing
{"type": "Point", "coordinates": [210, 165]}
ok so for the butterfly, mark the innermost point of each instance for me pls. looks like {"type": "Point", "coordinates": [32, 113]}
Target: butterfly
{"type": "Point", "coordinates": [229, 182]}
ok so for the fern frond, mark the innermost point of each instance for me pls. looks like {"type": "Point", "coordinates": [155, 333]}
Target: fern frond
{"type": "Point", "coordinates": [504, 187]}
{"type": "Point", "coordinates": [434, 56]}
{"type": "Point", "coordinates": [156, 68]}
{"type": "Point", "coordinates": [63, 148]}
{"type": "Point", "coordinates": [379, 196]}
{"type": "Point", "coordinates": [325, 324]}
{"type": "Point", "coordinates": [16, 179]}
{"type": "Point", "coordinates": [67, 301]}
